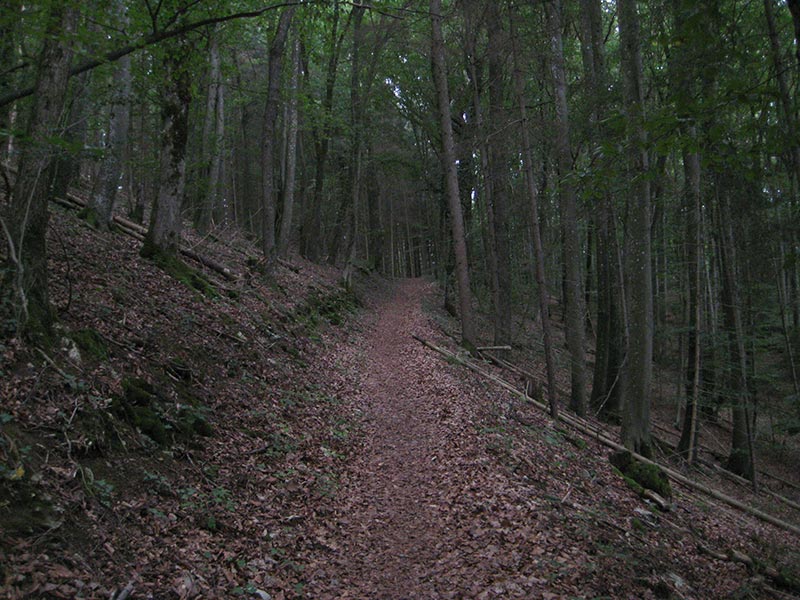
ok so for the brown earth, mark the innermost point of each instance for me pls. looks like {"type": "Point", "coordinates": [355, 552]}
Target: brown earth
{"type": "Point", "coordinates": [346, 460]}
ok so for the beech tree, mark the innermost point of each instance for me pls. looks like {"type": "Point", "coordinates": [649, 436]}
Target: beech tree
{"type": "Point", "coordinates": [638, 367]}
{"type": "Point", "coordinates": [103, 197]}
{"type": "Point", "coordinates": [448, 160]}
{"type": "Point", "coordinates": [269, 139]}
{"type": "Point", "coordinates": [574, 308]}
{"type": "Point", "coordinates": [25, 221]}
{"type": "Point", "coordinates": [163, 236]}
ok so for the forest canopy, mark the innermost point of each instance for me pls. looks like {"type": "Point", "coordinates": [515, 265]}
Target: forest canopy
{"type": "Point", "coordinates": [634, 164]}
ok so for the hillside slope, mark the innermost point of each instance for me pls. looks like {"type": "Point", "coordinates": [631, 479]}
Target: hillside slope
{"type": "Point", "coordinates": [284, 438]}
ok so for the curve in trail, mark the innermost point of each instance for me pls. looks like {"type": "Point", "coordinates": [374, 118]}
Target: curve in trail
{"type": "Point", "coordinates": [414, 515]}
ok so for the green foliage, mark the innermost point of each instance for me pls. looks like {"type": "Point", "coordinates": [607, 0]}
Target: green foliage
{"type": "Point", "coordinates": [207, 506]}
{"type": "Point", "coordinates": [101, 489]}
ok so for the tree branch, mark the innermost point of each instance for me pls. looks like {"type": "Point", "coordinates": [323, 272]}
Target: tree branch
{"type": "Point", "coordinates": [149, 40]}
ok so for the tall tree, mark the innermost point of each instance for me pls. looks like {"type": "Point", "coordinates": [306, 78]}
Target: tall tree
{"type": "Point", "coordinates": [287, 213]}
{"type": "Point", "coordinates": [638, 368]}
{"type": "Point", "coordinates": [312, 244]}
{"type": "Point", "coordinates": [10, 14]}
{"type": "Point", "coordinates": [164, 233]}
{"type": "Point", "coordinates": [575, 321]}
{"type": "Point", "coordinates": [210, 191]}
{"type": "Point", "coordinates": [684, 65]}
{"type": "Point", "coordinates": [276, 52]}
{"type": "Point", "coordinates": [25, 223]}
{"type": "Point", "coordinates": [535, 225]}
{"type": "Point", "coordinates": [101, 202]}
{"type": "Point", "coordinates": [610, 322]}
{"type": "Point", "coordinates": [741, 458]}
{"type": "Point", "coordinates": [448, 157]}
{"type": "Point", "coordinates": [499, 173]}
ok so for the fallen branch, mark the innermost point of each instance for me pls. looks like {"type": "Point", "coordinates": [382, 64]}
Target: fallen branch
{"type": "Point", "coordinates": [138, 232]}
{"type": "Point", "coordinates": [601, 437]}
{"type": "Point", "coordinates": [756, 567]}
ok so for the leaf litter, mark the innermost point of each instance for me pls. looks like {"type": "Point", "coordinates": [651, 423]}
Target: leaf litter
{"type": "Point", "coordinates": [345, 459]}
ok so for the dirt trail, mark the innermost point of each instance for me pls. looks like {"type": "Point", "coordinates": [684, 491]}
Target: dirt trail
{"type": "Point", "coordinates": [408, 521]}
{"type": "Point", "coordinates": [453, 492]}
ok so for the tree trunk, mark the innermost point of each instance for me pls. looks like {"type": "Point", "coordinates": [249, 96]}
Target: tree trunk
{"type": "Point", "coordinates": [214, 145]}
{"type": "Point", "coordinates": [67, 164]}
{"type": "Point", "coordinates": [164, 234]}
{"type": "Point", "coordinates": [356, 120]}
{"type": "Point", "coordinates": [740, 460]}
{"type": "Point", "coordinates": [451, 176]}
{"type": "Point", "coordinates": [25, 225]}
{"type": "Point", "coordinates": [346, 215]}
{"type": "Point", "coordinates": [291, 155]}
{"type": "Point", "coordinates": [499, 175]}
{"type": "Point", "coordinates": [9, 32]}
{"type": "Point", "coordinates": [610, 328]}
{"type": "Point", "coordinates": [574, 309]}
{"type": "Point", "coordinates": [101, 202]}
{"type": "Point", "coordinates": [313, 239]}
{"type": "Point", "coordinates": [637, 372]}
{"type": "Point", "coordinates": [276, 52]}
{"type": "Point", "coordinates": [536, 232]}
{"type": "Point", "coordinates": [483, 186]}
{"type": "Point", "coordinates": [687, 446]}
{"type": "Point", "coordinates": [794, 8]}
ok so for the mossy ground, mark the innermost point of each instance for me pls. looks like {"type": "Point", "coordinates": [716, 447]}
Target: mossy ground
{"type": "Point", "coordinates": [90, 343]}
{"type": "Point", "coordinates": [640, 476]}
{"type": "Point", "coordinates": [179, 270]}
{"type": "Point", "coordinates": [147, 408]}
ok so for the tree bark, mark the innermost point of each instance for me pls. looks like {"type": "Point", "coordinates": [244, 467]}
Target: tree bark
{"type": "Point", "coordinates": [101, 202]}
{"type": "Point", "coordinates": [451, 176]}
{"type": "Point", "coordinates": [287, 214]}
{"type": "Point", "coordinates": [574, 309]}
{"type": "Point", "coordinates": [276, 52]}
{"type": "Point", "coordinates": [25, 225]}
{"type": "Point", "coordinates": [164, 233]}
{"type": "Point", "coordinates": [312, 242]}
{"type": "Point", "coordinates": [499, 175]}
{"type": "Point", "coordinates": [794, 8]}
{"type": "Point", "coordinates": [610, 329]}
{"type": "Point", "coordinates": [637, 371]}
{"type": "Point", "coordinates": [536, 231]}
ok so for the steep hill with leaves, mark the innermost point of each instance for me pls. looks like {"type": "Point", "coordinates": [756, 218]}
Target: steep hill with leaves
{"type": "Point", "coordinates": [284, 438]}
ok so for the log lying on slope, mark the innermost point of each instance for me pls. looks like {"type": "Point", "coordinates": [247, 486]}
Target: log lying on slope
{"type": "Point", "coordinates": [137, 231]}
{"type": "Point", "coordinates": [603, 439]}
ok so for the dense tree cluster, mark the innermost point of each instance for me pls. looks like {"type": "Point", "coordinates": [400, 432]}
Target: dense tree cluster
{"type": "Point", "coordinates": [636, 164]}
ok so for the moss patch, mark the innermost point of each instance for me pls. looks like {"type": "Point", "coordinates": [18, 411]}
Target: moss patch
{"type": "Point", "coordinates": [90, 343]}
{"type": "Point", "coordinates": [640, 476]}
{"type": "Point", "coordinates": [147, 408]}
{"type": "Point", "coordinates": [176, 268]}
{"type": "Point", "coordinates": [333, 308]}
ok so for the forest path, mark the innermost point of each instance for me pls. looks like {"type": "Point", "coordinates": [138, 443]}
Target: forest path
{"type": "Point", "coordinates": [420, 501]}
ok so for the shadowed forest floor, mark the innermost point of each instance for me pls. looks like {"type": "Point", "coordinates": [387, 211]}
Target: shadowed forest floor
{"type": "Point", "coordinates": [300, 443]}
